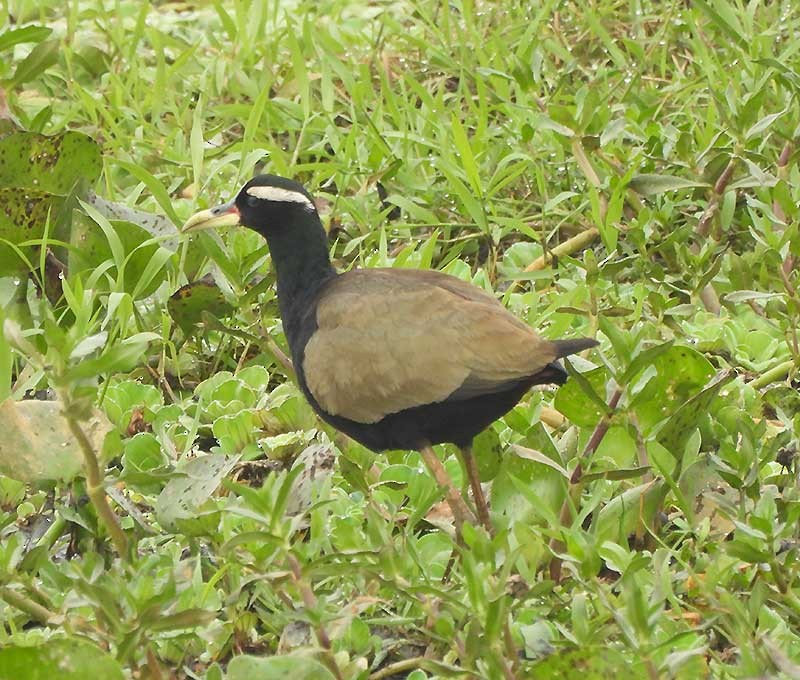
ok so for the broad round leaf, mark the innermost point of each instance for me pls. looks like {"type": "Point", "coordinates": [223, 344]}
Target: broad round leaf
{"type": "Point", "coordinates": [37, 443]}
{"type": "Point", "coordinates": [65, 659]}
{"type": "Point", "coordinates": [294, 667]}
{"type": "Point", "coordinates": [488, 452]}
{"type": "Point", "coordinates": [29, 160]}
{"type": "Point", "coordinates": [180, 504]}
{"type": "Point", "coordinates": [23, 217]}
{"type": "Point", "coordinates": [576, 404]}
{"type": "Point", "coordinates": [681, 372]}
{"type": "Point", "coordinates": [188, 304]}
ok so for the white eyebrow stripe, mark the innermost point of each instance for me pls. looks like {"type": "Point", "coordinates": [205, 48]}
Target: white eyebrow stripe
{"type": "Point", "coordinates": [281, 195]}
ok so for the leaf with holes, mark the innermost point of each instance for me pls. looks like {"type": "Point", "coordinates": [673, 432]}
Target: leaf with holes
{"type": "Point", "coordinates": [185, 503]}
{"type": "Point", "coordinates": [678, 373]}
{"type": "Point", "coordinates": [153, 223]}
{"type": "Point", "coordinates": [29, 160]}
{"type": "Point", "coordinates": [23, 217]}
{"type": "Point", "coordinates": [188, 304]}
{"type": "Point", "coordinates": [580, 399]}
{"type": "Point", "coordinates": [682, 424]}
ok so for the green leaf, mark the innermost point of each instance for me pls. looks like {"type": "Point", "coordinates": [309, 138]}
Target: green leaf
{"type": "Point", "coordinates": [642, 360]}
{"type": "Point", "coordinates": [543, 122]}
{"type": "Point", "coordinates": [791, 76]}
{"type": "Point", "coordinates": [588, 663]}
{"type": "Point", "coordinates": [763, 124]}
{"type": "Point", "coordinates": [127, 245]}
{"type": "Point", "coordinates": [26, 34]}
{"type": "Point", "coordinates": [6, 363]}
{"type": "Point", "coordinates": [64, 659]}
{"type": "Point", "coordinates": [616, 475]}
{"type": "Point", "coordinates": [579, 398]}
{"type": "Point", "coordinates": [235, 431]}
{"type": "Point", "coordinates": [143, 460]}
{"type": "Point", "coordinates": [123, 397]}
{"type": "Point", "coordinates": [41, 58]}
{"type": "Point", "coordinates": [153, 223]}
{"type": "Point", "coordinates": [525, 481]}
{"type": "Point", "coordinates": [186, 497]}
{"type": "Point", "coordinates": [621, 516]}
{"type": "Point", "coordinates": [749, 295]}
{"type": "Point", "coordinates": [488, 452]}
{"type": "Point", "coordinates": [464, 149]}
{"type": "Point", "coordinates": [465, 195]}
{"type": "Point", "coordinates": [681, 425]}
{"type": "Point", "coordinates": [24, 217]}
{"type": "Point", "coordinates": [189, 303]}
{"type": "Point", "coordinates": [724, 18]}
{"type": "Point", "coordinates": [659, 184]}
{"type": "Point", "coordinates": [155, 186]}
{"type": "Point", "coordinates": [539, 457]}
{"type": "Point", "coordinates": [679, 373]}
{"type": "Point", "coordinates": [188, 618]}
{"type": "Point", "coordinates": [122, 356]}
{"type": "Point", "coordinates": [48, 164]}
{"type": "Point", "coordinates": [37, 443]}
{"type": "Point", "coordinates": [196, 141]}
{"type": "Point", "coordinates": [297, 666]}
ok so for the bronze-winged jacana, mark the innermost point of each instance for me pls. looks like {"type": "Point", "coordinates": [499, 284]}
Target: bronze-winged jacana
{"type": "Point", "coordinates": [394, 358]}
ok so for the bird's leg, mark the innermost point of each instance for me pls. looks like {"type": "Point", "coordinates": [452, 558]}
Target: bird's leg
{"type": "Point", "coordinates": [477, 490]}
{"type": "Point", "coordinates": [461, 511]}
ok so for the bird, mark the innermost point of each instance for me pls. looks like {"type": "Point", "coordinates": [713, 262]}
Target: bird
{"type": "Point", "coordinates": [394, 358]}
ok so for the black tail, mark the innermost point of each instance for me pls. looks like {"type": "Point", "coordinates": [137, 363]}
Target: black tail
{"type": "Point", "coordinates": [566, 347]}
{"type": "Point", "coordinates": [554, 372]}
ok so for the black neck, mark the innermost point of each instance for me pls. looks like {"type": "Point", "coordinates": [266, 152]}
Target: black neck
{"type": "Point", "coordinates": [299, 249]}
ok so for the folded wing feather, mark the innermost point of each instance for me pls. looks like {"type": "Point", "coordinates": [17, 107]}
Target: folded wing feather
{"type": "Point", "coordinates": [392, 339]}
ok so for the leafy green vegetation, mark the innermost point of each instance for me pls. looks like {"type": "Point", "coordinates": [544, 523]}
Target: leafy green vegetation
{"type": "Point", "coordinates": [624, 170]}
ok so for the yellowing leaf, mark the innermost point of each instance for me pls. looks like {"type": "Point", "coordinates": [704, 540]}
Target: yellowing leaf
{"type": "Point", "coordinates": [37, 443]}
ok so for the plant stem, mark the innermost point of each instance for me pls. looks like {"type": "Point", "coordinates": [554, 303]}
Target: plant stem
{"type": "Point", "coordinates": [773, 374]}
{"type": "Point", "coordinates": [31, 608]}
{"type": "Point", "coordinates": [49, 537]}
{"type": "Point", "coordinates": [398, 667]}
{"type": "Point", "coordinates": [568, 247]}
{"type": "Point", "coordinates": [576, 483]}
{"type": "Point", "coordinates": [708, 296]}
{"type": "Point", "coordinates": [94, 480]}
{"type": "Point", "coordinates": [310, 603]}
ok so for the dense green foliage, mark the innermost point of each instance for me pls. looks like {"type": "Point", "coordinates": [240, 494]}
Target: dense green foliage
{"type": "Point", "coordinates": [646, 513]}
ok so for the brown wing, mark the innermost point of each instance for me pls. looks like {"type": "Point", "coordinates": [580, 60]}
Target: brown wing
{"type": "Point", "coordinates": [391, 339]}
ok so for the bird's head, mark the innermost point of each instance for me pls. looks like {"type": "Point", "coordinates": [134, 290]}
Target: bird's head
{"type": "Point", "coordinates": [264, 203]}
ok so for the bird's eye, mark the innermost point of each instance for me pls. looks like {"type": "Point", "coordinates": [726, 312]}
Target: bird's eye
{"type": "Point", "coordinates": [252, 201]}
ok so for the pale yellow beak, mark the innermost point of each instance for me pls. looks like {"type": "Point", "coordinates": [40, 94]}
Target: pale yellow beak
{"type": "Point", "coordinates": [226, 215]}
